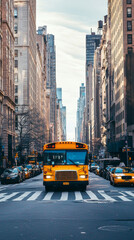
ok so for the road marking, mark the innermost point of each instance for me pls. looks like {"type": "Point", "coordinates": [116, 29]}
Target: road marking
{"type": "Point", "coordinates": [92, 196]}
{"type": "Point", "coordinates": [130, 193]}
{"type": "Point", "coordinates": [78, 196]}
{"type": "Point", "coordinates": [5, 198]}
{"type": "Point", "coordinates": [64, 196]}
{"type": "Point", "coordinates": [22, 196]}
{"type": "Point", "coordinates": [34, 196]}
{"type": "Point", "coordinates": [2, 195]}
{"type": "Point", "coordinates": [106, 196]}
{"type": "Point", "coordinates": [124, 199]}
{"type": "Point", "coordinates": [48, 196]}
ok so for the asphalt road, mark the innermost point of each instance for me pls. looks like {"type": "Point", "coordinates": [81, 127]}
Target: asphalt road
{"type": "Point", "coordinates": [27, 212]}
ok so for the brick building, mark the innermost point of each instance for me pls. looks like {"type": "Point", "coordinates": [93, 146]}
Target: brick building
{"type": "Point", "coordinates": [8, 128]}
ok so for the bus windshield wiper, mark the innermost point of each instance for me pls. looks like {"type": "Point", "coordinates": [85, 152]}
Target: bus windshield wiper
{"type": "Point", "coordinates": [73, 162]}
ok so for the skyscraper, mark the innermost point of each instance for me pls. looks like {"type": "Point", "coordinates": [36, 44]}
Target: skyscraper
{"type": "Point", "coordinates": [51, 79]}
{"type": "Point", "coordinates": [80, 113]}
{"type": "Point", "coordinates": [8, 129]}
{"type": "Point", "coordinates": [92, 42]}
{"type": "Point", "coordinates": [122, 62]}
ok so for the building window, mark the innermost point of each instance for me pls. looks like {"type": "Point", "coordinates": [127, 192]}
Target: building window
{"type": "Point", "coordinates": [15, 28]}
{"type": "Point", "coordinates": [130, 50]}
{"type": "Point", "coordinates": [129, 12]}
{"type": "Point", "coordinates": [16, 99]}
{"type": "Point", "coordinates": [16, 53]}
{"type": "Point", "coordinates": [129, 1]}
{"type": "Point", "coordinates": [16, 109]}
{"type": "Point", "coordinates": [16, 88]}
{"type": "Point", "coordinates": [16, 77]}
{"type": "Point", "coordinates": [129, 25]}
{"type": "Point", "coordinates": [16, 41]}
{"type": "Point", "coordinates": [129, 38]}
{"type": "Point", "coordinates": [16, 122]}
{"type": "Point", "coordinates": [15, 12]}
{"type": "Point", "coordinates": [16, 63]}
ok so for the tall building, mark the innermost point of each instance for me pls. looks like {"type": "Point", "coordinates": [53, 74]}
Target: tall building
{"type": "Point", "coordinates": [42, 43]}
{"type": "Point", "coordinates": [80, 113]}
{"type": "Point", "coordinates": [122, 62]}
{"type": "Point", "coordinates": [61, 116]}
{"type": "Point", "coordinates": [92, 42]}
{"type": "Point", "coordinates": [95, 102]}
{"type": "Point", "coordinates": [64, 137]}
{"type": "Point", "coordinates": [1, 84]}
{"type": "Point", "coordinates": [25, 60]}
{"type": "Point", "coordinates": [8, 128]}
{"type": "Point", "coordinates": [51, 81]}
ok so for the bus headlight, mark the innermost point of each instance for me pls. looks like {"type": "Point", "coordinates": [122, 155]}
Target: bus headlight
{"type": "Point", "coordinates": [48, 177]}
{"type": "Point", "coordinates": [82, 176]}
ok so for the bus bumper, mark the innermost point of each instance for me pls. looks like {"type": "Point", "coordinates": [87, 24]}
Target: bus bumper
{"type": "Point", "coordinates": [63, 183]}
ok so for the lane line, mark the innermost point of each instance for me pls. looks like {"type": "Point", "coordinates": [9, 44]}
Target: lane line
{"type": "Point", "coordinates": [106, 196]}
{"type": "Point", "coordinates": [124, 199]}
{"type": "Point", "coordinates": [34, 196]}
{"type": "Point", "coordinates": [5, 198]}
{"type": "Point", "coordinates": [78, 196]}
{"type": "Point", "coordinates": [130, 193]}
{"type": "Point", "coordinates": [64, 196]}
{"type": "Point", "coordinates": [48, 196]}
{"type": "Point", "coordinates": [92, 196]}
{"type": "Point", "coordinates": [20, 198]}
{"type": "Point", "coordinates": [2, 195]}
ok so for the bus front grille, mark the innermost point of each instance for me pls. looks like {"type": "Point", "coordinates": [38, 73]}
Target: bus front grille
{"type": "Point", "coordinates": [66, 175]}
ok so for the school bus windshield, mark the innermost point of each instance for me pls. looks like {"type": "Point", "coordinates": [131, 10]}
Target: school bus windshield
{"type": "Point", "coordinates": [65, 157]}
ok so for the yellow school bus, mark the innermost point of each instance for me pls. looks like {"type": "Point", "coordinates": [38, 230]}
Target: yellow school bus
{"type": "Point", "coordinates": [65, 164]}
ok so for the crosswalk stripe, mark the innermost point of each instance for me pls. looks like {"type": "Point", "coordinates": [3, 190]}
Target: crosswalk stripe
{"type": "Point", "coordinates": [130, 193]}
{"type": "Point", "coordinates": [78, 196]}
{"type": "Point", "coordinates": [5, 198]}
{"type": "Point", "coordinates": [2, 195]}
{"type": "Point", "coordinates": [92, 195]}
{"type": "Point", "coordinates": [34, 196]}
{"type": "Point", "coordinates": [22, 196]}
{"type": "Point", "coordinates": [124, 199]}
{"type": "Point", "coordinates": [106, 196]}
{"type": "Point", "coordinates": [64, 196]}
{"type": "Point", "coordinates": [48, 196]}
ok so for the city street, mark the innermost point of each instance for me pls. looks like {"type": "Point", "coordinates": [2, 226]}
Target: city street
{"type": "Point", "coordinates": [101, 212]}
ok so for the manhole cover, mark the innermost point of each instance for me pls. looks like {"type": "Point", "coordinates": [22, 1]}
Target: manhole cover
{"type": "Point", "coordinates": [115, 228]}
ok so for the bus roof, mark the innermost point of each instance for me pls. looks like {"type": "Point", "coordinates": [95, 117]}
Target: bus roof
{"type": "Point", "coordinates": [65, 145]}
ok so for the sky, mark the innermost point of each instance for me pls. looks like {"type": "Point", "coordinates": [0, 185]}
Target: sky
{"type": "Point", "coordinates": [70, 21]}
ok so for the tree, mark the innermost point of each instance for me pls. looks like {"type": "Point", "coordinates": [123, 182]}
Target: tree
{"type": "Point", "coordinates": [30, 129]}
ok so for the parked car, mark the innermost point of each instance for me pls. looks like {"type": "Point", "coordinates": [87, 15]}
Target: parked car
{"type": "Point", "coordinates": [105, 171]}
{"type": "Point", "coordinates": [108, 172]}
{"type": "Point", "coordinates": [31, 169]}
{"type": "Point", "coordinates": [27, 173]}
{"type": "Point", "coordinates": [97, 171]}
{"type": "Point", "coordinates": [11, 175]}
{"type": "Point", "coordinates": [122, 175]}
{"type": "Point", "coordinates": [22, 172]}
{"type": "Point", "coordinates": [93, 167]}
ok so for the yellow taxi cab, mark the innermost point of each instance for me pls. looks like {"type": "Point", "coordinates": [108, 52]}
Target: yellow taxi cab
{"type": "Point", "coordinates": [27, 173]}
{"type": "Point", "coordinates": [122, 175]}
